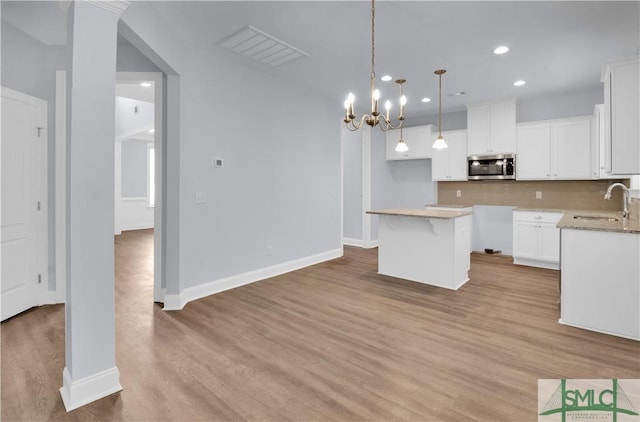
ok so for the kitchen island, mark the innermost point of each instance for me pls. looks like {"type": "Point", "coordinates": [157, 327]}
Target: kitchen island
{"type": "Point", "coordinates": [431, 246]}
{"type": "Point", "coordinates": [600, 278]}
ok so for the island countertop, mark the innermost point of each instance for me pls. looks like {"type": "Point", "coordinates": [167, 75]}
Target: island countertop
{"type": "Point", "coordinates": [420, 212]}
{"type": "Point", "coordinates": [590, 221]}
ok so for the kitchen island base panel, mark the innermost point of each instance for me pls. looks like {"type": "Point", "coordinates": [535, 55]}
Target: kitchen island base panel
{"type": "Point", "coordinates": [433, 251]}
{"type": "Point", "coordinates": [601, 281]}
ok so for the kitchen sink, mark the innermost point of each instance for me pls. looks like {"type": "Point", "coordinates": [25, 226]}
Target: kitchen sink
{"type": "Point", "coordinates": [595, 218]}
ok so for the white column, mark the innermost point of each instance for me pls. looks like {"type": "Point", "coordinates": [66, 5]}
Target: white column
{"type": "Point", "coordinates": [90, 371]}
{"type": "Point", "coordinates": [367, 241]}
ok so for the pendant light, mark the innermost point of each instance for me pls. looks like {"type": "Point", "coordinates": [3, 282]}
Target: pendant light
{"type": "Point", "coordinates": [375, 118]}
{"type": "Point", "coordinates": [402, 145]}
{"type": "Point", "coordinates": [440, 143]}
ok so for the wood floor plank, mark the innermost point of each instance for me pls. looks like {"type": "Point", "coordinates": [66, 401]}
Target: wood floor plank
{"type": "Point", "coordinates": [332, 342]}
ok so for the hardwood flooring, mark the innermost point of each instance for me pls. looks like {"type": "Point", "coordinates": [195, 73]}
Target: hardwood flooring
{"type": "Point", "coordinates": [335, 341]}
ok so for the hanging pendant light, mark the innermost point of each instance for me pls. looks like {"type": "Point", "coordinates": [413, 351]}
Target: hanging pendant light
{"type": "Point", "coordinates": [440, 143]}
{"type": "Point", "coordinates": [375, 118]}
{"type": "Point", "coordinates": [402, 145]}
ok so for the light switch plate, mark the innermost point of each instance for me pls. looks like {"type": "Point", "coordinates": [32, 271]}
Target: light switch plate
{"type": "Point", "coordinates": [217, 162]}
{"type": "Point", "coordinates": [538, 194]}
{"type": "Point", "coordinates": [201, 197]}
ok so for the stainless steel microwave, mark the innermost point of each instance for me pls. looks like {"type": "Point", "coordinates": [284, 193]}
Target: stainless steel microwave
{"type": "Point", "coordinates": [492, 167]}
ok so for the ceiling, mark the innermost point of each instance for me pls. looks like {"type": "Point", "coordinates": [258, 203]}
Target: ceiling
{"type": "Point", "coordinates": [557, 47]}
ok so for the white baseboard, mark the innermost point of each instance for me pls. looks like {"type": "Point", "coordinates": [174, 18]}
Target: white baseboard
{"type": "Point", "coordinates": [536, 263]}
{"type": "Point", "coordinates": [86, 390]}
{"type": "Point", "coordinates": [136, 227]}
{"type": "Point", "coordinates": [349, 241]}
{"type": "Point", "coordinates": [611, 333]}
{"type": "Point", "coordinates": [177, 302]}
{"type": "Point", "coordinates": [371, 244]}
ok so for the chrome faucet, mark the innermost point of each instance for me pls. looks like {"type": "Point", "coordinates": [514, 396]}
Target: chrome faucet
{"type": "Point", "coordinates": [625, 198]}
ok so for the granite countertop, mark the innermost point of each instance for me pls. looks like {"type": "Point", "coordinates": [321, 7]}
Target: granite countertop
{"type": "Point", "coordinates": [532, 209]}
{"type": "Point", "coordinates": [622, 225]}
{"type": "Point", "coordinates": [420, 212]}
{"type": "Point", "coordinates": [449, 206]}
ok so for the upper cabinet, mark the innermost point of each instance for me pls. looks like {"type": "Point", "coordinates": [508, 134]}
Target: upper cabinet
{"type": "Point", "coordinates": [621, 122]}
{"type": "Point", "coordinates": [417, 138]}
{"type": "Point", "coordinates": [492, 128]}
{"type": "Point", "coordinates": [450, 163]}
{"type": "Point", "coordinates": [555, 149]}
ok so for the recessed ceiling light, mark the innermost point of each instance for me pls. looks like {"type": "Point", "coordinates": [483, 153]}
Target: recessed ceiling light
{"type": "Point", "coordinates": [145, 84]}
{"type": "Point", "coordinates": [501, 49]}
{"type": "Point", "coordinates": [457, 94]}
{"type": "Point", "coordinates": [386, 78]}
{"type": "Point", "coordinates": [519, 83]}
{"type": "Point", "coordinates": [426, 100]}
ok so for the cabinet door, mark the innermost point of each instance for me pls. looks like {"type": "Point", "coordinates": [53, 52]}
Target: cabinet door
{"type": "Point", "coordinates": [572, 149]}
{"type": "Point", "coordinates": [549, 242]}
{"type": "Point", "coordinates": [417, 138]}
{"type": "Point", "coordinates": [525, 239]}
{"type": "Point", "coordinates": [478, 129]}
{"type": "Point", "coordinates": [457, 142]}
{"type": "Point", "coordinates": [392, 138]}
{"type": "Point", "coordinates": [440, 161]}
{"type": "Point", "coordinates": [502, 128]}
{"type": "Point", "coordinates": [450, 164]}
{"type": "Point", "coordinates": [533, 151]}
{"type": "Point", "coordinates": [625, 109]}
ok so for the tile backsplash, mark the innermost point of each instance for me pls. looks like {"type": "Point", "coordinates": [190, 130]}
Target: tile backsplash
{"type": "Point", "coordinates": [562, 194]}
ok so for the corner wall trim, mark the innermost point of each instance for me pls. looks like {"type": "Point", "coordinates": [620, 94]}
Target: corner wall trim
{"type": "Point", "coordinates": [86, 390]}
{"type": "Point", "coordinates": [177, 302]}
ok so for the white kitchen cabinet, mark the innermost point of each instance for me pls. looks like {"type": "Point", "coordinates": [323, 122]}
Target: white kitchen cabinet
{"type": "Point", "coordinates": [536, 239]}
{"type": "Point", "coordinates": [621, 111]}
{"type": "Point", "coordinates": [555, 149]}
{"type": "Point", "coordinates": [450, 163]}
{"type": "Point", "coordinates": [492, 128]}
{"type": "Point", "coordinates": [417, 138]}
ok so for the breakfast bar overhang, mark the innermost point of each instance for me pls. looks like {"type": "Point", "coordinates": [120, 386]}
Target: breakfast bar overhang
{"type": "Point", "coordinates": [425, 245]}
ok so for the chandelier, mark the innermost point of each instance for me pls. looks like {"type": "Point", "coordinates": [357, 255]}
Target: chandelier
{"type": "Point", "coordinates": [375, 118]}
{"type": "Point", "coordinates": [440, 143]}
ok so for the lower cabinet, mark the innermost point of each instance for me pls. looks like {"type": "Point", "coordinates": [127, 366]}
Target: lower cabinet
{"type": "Point", "coordinates": [536, 239]}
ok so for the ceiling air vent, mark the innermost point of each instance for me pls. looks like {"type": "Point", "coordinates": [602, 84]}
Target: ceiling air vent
{"type": "Point", "coordinates": [261, 47]}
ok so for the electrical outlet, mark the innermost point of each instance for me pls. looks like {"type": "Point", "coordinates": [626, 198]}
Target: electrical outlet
{"type": "Point", "coordinates": [201, 197]}
{"type": "Point", "coordinates": [538, 194]}
{"type": "Point", "coordinates": [458, 193]}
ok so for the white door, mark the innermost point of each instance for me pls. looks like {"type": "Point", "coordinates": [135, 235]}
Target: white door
{"type": "Point", "coordinates": [23, 201]}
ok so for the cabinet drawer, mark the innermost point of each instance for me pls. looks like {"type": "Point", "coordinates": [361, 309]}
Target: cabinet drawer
{"type": "Point", "coordinates": [537, 216]}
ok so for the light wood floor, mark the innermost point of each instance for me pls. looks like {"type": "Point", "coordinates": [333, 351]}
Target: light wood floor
{"type": "Point", "coordinates": [335, 341]}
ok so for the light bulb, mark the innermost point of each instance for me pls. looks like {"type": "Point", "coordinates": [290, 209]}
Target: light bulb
{"type": "Point", "coordinates": [347, 104]}
{"type": "Point", "coordinates": [402, 146]}
{"type": "Point", "coordinates": [440, 143]}
{"type": "Point", "coordinates": [403, 100]}
{"type": "Point", "coordinates": [350, 98]}
{"type": "Point", "coordinates": [376, 95]}
{"type": "Point", "coordinates": [387, 105]}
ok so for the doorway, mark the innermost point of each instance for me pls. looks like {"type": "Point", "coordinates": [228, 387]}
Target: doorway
{"type": "Point", "coordinates": [139, 161]}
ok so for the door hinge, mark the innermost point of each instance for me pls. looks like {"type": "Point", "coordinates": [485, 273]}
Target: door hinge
{"type": "Point", "coordinates": [39, 130]}
{"type": "Point", "coordinates": [39, 278]}
{"type": "Point", "coordinates": [38, 205]}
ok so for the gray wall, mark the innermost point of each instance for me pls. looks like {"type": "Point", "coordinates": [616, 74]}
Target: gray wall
{"type": "Point", "coordinates": [29, 66]}
{"type": "Point", "coordinates": [352, 182]}
{"type": "Point", "coordinates": [134, 168]}
{"type": "Point", "coordinates": [280, 183]}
